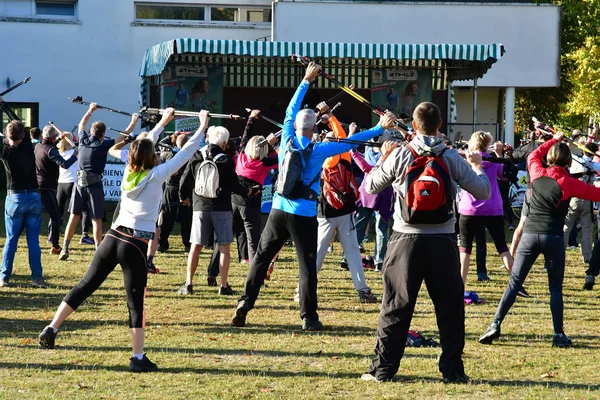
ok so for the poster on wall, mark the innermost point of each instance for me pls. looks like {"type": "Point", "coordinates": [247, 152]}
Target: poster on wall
{"type": "Point", "coordinates": [192, 88]}
{"type": "Point", "coordinates": [400, 90]}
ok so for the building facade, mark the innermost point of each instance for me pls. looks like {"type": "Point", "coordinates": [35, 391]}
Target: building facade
{"type": "Point", "coordinates": [94, 48]}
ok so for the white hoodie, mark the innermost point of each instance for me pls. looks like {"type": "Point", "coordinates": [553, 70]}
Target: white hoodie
{"type": "Point", "coordinates": [140, 204]}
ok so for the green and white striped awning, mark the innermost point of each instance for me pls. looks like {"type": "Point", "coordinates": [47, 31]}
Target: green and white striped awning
{"type": "Point", "coordinates": [461, 61]}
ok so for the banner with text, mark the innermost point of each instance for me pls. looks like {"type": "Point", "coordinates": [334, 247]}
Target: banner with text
{"type": "Point", "coordinates": [400, 90]}
{"type": "Point", "coordinates": [112, 178]}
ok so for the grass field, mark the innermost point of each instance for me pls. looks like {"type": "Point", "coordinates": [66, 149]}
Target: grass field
{"type": "Point", "coordinates": [201, 356]}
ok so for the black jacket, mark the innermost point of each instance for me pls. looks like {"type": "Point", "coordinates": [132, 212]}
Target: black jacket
{"type": "Point", "coordinates": [19, 165]}
{"type": "Point", "coordinates": [47, 163]}
{"type": "Point", "coordinates": [228, 182]}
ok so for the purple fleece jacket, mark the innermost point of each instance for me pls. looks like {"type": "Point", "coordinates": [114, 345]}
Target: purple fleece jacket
{"type": "Point", "coordinates": [468, 205]}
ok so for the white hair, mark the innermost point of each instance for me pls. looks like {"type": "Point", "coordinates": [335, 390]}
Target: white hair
{"type": "Point", "coordinates": [254, 151]}
{"type": "Point", "coordinates": [305, 120]}
{"type": "Point", "coordinates": [49, 132]}
{"type": "Point", "coordinates": [217, 135]}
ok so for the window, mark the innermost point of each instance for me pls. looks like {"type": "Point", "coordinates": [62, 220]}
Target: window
{"type": "Point", "coordinates": [183, 13]}
{"type": "Point", "coordinates": [27, 112]}
{"type": "Point", "coordinates": [202, 13]}
{"type": "Point", "coordinates": [55, 8]}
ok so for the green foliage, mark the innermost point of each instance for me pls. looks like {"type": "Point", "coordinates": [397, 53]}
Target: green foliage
{"type": "Point", "coordinates": [569, 104]}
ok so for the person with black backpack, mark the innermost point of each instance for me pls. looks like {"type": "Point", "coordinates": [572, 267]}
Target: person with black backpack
{"type": "Point", "coordinates": [294, 211]}
{"type": "Point", "coordinates": [423, 243]}
{"type": "Point", "coordinates": [337, 205]}
{"type": "Point", "coordinates": [209, 180]}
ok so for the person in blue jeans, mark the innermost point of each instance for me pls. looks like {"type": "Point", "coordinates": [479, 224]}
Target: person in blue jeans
{"type": "Point", "coordinates": [23, 205]}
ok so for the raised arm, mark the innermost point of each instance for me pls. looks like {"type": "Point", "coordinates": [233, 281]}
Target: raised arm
{"type": "Point", "coordinates": [361, 162]}
{"type": "Point", "coordinates": [86, 117]}
{"type": "Point", "coordinates": [115, 150]}
{"type": "Point", "coordinates": [386, 121]}
{"type": "Point", "coordinates": [288, 132]}
{"type": "Point", "coordinates": [134, 119]}
{"type": "Point", "coordinates": [248, 130]}
{"type": "Point", "coordinates": [59, 160]}
{"type": "Point", "coordinates": [534, 161]}
{"type": "Point", "coordinates": [164, 171]}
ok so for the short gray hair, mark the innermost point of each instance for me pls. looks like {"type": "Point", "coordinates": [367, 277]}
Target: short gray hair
{"type": "Point", "coordinates": [217, 135]}
{"type": "Point", "coordinates": [50, 132]}
{"type": "Point", "coordinates": [306, 120]}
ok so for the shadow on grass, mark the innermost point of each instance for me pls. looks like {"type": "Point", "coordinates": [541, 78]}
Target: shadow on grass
{"type": "Point", "coordinates": [293, 374]}
{"type": "Point", "coordinates": [25, 327]}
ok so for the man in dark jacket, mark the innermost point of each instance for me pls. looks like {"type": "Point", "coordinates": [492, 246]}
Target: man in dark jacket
{"type": "Point", "coordinates": [211, 215]}
{"type": "Point", "coordinates": [23, 207]}
{"type": "Point", "coordinates": [47, 163]}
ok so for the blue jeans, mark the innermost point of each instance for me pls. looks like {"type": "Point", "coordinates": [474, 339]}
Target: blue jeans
{"type": "Point", "coordinates": [22, 211]}
{"type": "Point", "coordinates": [363, 217]}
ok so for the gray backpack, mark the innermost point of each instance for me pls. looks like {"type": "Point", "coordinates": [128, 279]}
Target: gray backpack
{"type": "Point", "coordinates": [207, 177]}
{"type": "Point", "coordinates": [289, 180]}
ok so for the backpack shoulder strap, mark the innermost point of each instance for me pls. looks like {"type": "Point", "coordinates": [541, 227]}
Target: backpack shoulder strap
{"type": "Point", "coordinates": [220, 155]}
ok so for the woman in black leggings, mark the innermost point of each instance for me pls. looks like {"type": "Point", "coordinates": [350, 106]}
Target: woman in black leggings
{"type": "Point", "coordinates": [127, 242]}
{"type": "Point", "coordinates": [551, 190]}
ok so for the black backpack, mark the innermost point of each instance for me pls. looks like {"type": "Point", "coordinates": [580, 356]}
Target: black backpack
{"type": "Point", "coordinates": [289, 179]}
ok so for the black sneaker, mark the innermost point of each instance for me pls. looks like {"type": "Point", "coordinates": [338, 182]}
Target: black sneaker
{"type": "Point", "coordinates": [523, 293]}
{"type": "Point", "coordinates": [185, 289]}
{"type": "Point", "coordinates": [162, 249]}
{"type": "Point", "coordinates": [561, 340]}
{"type": "Point", "coordinates": [311, 325]}
{"type": "Point", "coordinates": [590, 280]}
{"type": "Point", "coordinates": [483, 277]}
{"type": "Point", "coordinates": [456, 378]}
{"type": "Point", "coordinates": [47, 338]}
{"type": "Point", "coordinates": [373, 378]}
{"type": "Point", "coordinates": [211, 281]}
{"type": "Point", "coordinates": [379, 267]}
{"type": "Point", "coordinates": [491, 333]}
{"type": "Point", "coordinates": [143, 365]}
{"type": "Point", "coordinates": [151, 268]}
{"type": "Point", "coordinates": [344, 265]}
{"type": "Point", "coordinates": [239, 319]}
{"type": "Point", "coordinates": [186, 249]}
{"type": "Point", "coordinates": [227, 291]}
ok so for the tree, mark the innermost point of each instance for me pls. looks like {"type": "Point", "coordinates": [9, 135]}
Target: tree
{"type": "Point", "coordinates": [580, 21]}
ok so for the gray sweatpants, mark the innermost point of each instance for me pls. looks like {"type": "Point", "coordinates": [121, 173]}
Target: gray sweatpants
{"type": "Point", "coordinates": [580, 210]}
{"type": "Point", "coordinates": [347, 238]}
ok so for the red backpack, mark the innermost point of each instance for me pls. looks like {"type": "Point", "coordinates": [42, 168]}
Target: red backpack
{"type": "Point", "coordinates": [428, 191]}
{"type": "Point", "coordinates": [339, 185]}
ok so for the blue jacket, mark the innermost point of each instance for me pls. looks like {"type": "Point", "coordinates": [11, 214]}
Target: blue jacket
{"type": "Point", "coordinates": [314, 166]}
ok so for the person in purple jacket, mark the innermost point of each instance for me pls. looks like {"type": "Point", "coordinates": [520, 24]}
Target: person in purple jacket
{"type": "Point", "coordinates": [477, 214]}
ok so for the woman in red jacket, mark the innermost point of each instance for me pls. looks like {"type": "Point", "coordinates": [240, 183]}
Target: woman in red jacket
{"type": "Point", "coordinates": [551, 190]}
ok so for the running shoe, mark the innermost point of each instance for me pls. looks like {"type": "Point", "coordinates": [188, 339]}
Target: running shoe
{"type": "Point", "coordinates": [511, 227]}
{"type": "Point", "coordinates": [456, 378]}
{"type": "Point", "coordinates": [245, 261]}
{"type": "Point", "coordinates": [330, 249]}
{"type": "Point", "coordinates": [211, 281]}
{"type": "Point", "coordinates": [491, 333]}
{"type": "Point", "coordinates": [227, 291]}
{"type": "Point", "coordinates": [311, 325]}
{"type": "Point", "coordinates": [344, 265]}
{"type": "Point", "coordinates": [86, 239]}
{"type": "Point", "coordinates": [55, 250]}
{"type": "Point", "coordinates": [64, 255]}
{"type": "Point", "coordinates": [561, 340]}
{"type": "Point", "coordinates": [39, 283]}
{"type": "Point", "coordinates": [269, 271]}
{"type": "Point", "coordinates": [373, 378]}
{"type": "Point", "coordinates": [482, 277]}
{"type": "Point", "coordinates": [186, 289]}
{"type": "Point", "coordinates": [379, 267]}
{"type": "Point", "coordinates": [47, 337]}
{"type": "Point", "coordinates": [590, 280]}
{"type": "Point", "coordinates": [143, 365]}
{"type": "Point", "coordinates": [239, 319]}
{"type": "Point", "coordinates": [366, 296]}
{"type": "Point", "coordinates": [4, 283]}
{"type": "Point", "coordinates": [523, 293]}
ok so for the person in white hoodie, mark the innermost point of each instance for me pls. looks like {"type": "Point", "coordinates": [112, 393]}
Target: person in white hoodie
{"type": "Point", "coordinates": [126, 243]}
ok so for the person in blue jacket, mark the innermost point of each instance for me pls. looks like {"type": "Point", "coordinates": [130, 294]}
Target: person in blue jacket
{"type": "Point", "coordinates": [298, 217]}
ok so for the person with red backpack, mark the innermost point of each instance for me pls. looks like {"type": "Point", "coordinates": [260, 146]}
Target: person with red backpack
{"type": "Point", "coordinates": [337, 204]}
{"type": "Point", "coordinates": [423, 243]}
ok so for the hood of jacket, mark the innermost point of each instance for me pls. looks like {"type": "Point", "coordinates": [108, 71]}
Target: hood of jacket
{"type": "Point", "coordinates": [425, 144]}
{"type": "Point", "coordinates": [134, 182]}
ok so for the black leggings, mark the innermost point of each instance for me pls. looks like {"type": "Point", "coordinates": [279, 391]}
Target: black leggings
{"type": "Point", "coordinates": [63, 196]}
{"type": "Point", "coordinates": [471, 224]}
{"type": "Point", "coordinates": [130, 252]}
{"type": "Point", "coordinates": [530, 247]}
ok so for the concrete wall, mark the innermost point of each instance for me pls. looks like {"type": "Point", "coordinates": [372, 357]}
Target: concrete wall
{"type": "Point", "coordinates": [528, 31]}
{"type": "Point", "coordinates": [487, 111]}
{"type": "Point", "coordinates": [97, 58]}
